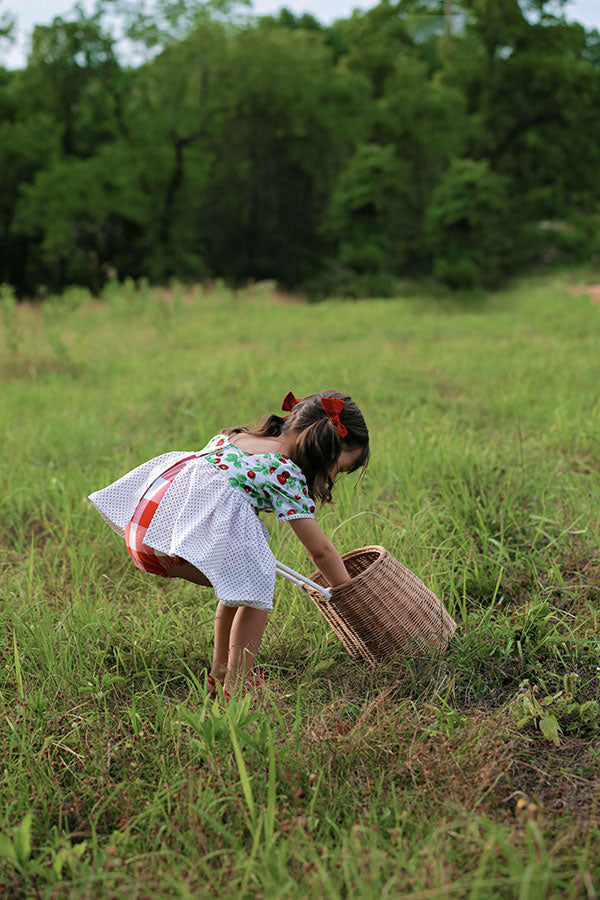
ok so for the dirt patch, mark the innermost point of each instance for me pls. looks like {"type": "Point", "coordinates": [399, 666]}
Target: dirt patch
{"type": "Point", "coordinates": [488, 764]}
{"type": "Point", "coordinates": [33, 532]}
{"type": "Point", "coordinates": [449, 391]}
{"type": "Point", "coordinates": [558, 779]}
{"type": "Point", "coordinates": [573, 579]}
{"type": "Point", "coordinates": [478, 761]}
{"type": "Point", "coordinates": [593, 290]}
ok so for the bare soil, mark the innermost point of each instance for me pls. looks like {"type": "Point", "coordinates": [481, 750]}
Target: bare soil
{"type": "Point", "coordinates": [592, 289]}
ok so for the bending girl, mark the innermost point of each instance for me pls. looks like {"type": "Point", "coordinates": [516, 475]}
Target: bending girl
{"type": "Point", "coordinates": [195, 515]}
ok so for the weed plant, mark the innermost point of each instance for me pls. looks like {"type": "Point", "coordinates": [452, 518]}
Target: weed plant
{"type": "Point", "coordinates": [121, 778]}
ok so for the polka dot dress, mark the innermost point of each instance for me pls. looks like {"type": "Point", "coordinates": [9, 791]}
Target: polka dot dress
{"type": "Point", "coordinates": [208, 518]}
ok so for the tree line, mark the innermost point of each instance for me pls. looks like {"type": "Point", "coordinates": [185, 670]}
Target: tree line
{"type": "Point", "coordinates": [420, 137]}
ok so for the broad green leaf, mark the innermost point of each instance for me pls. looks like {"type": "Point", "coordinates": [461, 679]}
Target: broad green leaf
{"type": "Point", "coordinates": [548, 700]}
{"type": "Point", "coordinates": [531, 705]}
{"type": "Point", "coordinates": [550, 728]}
{"type": "Point", "coordinates": [59, 861]}
{"type": "Point", "coordinates": [7, 850]}
{"type": "Point", "coordinates": [79, 849]}
{"type": "Point", "coordinates": [323, 664]}
{"type": "Point", "coordinates": [590, 711]}
{"type": "Point", "coordinates": [23, 840]}
{"type": "Point", "coordinates": [524, 721]}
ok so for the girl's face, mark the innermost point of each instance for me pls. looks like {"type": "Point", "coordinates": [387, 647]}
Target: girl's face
{"type": "Point", "coordinates": [346, 461]}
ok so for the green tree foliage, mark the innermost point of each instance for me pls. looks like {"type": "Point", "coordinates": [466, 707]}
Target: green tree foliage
{"type": "Point", "coordinates": [7, 27]}
{"type": "Point", "coordinates": [27, 144]}
{"type": "Point", "coordinates": [69, 103]}
{"type": "Point", "coordinates": [157, 24]}
{"type": "Point", "coordinates": [417, 125]}
{"type": "Point", "coordinates": [233, 143]}
{"type": "Point", "coordinates": [287, 123]}
{"type": "Point", "coordinates": [74, 78]}
{"type": "Point", "coordinates": [124, 206]}
{"type": "Point", "coordinates": [532, 93]}
{"type": "Point", "coordinates": [174, 109]}
{"type": "Point", "coordinates": [462, 137]}
{"type": "Point", "coordinates": [469, 226]}
{"type": "Point", "coordinates": [367, 210]}
{"type": "Point", "coordinates": [535, 88]}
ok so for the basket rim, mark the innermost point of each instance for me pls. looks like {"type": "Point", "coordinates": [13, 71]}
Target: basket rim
{"type": "Point", "coordinates": [381, 552]}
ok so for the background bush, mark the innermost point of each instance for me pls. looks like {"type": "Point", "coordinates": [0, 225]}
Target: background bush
{"type": "Point", "coordinates": [342, 157]}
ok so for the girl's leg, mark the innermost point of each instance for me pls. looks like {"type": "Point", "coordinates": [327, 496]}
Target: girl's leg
{"type": "Point", "coordinates": [244, 640]}
{"type": "Point", "coordinates": [238, 632]}
{"type": "Point", "coordinates": [224, 617]}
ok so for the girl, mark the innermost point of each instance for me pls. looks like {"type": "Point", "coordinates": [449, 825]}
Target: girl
{"type": "Point", "coordinates": [195, 515]}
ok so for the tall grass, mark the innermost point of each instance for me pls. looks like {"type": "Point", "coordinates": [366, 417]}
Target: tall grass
{"type": "Point", "coordinates": [122, 778]}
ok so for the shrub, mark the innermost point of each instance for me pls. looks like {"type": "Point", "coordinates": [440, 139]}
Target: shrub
{"type": "Point", "coordinates": [470, 226]}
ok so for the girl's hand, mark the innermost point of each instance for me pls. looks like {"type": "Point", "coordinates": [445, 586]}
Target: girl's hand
{"type": "Point", "coordinates": [322, 552]}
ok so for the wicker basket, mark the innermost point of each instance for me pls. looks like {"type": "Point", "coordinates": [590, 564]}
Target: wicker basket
{"type": "Point", "coordinates": [384, 609]}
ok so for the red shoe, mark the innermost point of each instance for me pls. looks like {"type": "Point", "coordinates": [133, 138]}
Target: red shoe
{"type": "Point", "coordinates": [256, 679]}
{"type": "Point", "coordinates": [212, 686]}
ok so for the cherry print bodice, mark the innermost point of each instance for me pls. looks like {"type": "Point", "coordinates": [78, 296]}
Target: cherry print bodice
{"type": "Point", "coordinates": [271, 482]}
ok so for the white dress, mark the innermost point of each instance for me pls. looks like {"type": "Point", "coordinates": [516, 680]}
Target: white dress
{"type": "Point", "coordinates": [209, 514]}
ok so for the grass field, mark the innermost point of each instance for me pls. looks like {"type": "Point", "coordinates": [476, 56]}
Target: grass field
{"type": "Point", "coordinates": [472, 775]}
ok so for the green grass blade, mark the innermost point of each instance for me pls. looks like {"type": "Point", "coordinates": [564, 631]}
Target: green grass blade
{"type": "Point", "coordinates": [242, 770]}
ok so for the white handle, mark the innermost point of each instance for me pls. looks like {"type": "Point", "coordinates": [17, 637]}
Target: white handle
{"type": "Point", "coordinates": [298, 579]}
{"type": "Point", "coordinates": [291, 578]}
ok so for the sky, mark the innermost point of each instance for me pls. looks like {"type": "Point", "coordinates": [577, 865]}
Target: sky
{"type": "Point", "coordinates": [40, 12]}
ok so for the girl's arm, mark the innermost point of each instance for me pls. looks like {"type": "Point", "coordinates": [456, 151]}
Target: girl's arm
{"type": "Point", "coordinates": [322, 552]}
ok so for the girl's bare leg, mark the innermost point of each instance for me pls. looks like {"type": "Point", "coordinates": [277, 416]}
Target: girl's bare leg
{"type": "Point", "coordinates": [224, 617]}
{"type": "Point", "coordinates": [238, 632]}
{"type": "Point", "coordinates": [244, 640]}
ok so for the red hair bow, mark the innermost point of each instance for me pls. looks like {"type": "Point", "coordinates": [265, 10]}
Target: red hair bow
{"type": "Point", "coordinates": [333, 407]}
{"type": "Point", "coordinates": [289, 402]}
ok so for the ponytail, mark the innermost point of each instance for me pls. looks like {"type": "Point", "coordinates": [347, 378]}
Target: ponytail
{"type": "Point", "coordinates": [316, 452]}
{"type": "Point", "coordinates": [271, 426]}
{"type": "Point", "coordinates": [317, 442]}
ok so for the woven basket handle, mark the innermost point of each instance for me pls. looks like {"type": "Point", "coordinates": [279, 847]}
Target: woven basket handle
{"type": "Point", "coordinates": [298, 579]}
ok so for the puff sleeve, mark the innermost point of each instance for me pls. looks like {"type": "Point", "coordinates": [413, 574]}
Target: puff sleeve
{"type": "Point", "coordinates": [288, 492]}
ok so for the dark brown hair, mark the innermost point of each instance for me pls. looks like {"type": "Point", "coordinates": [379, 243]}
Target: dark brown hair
{"type": "Point", "coordinates": [318, 446]}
